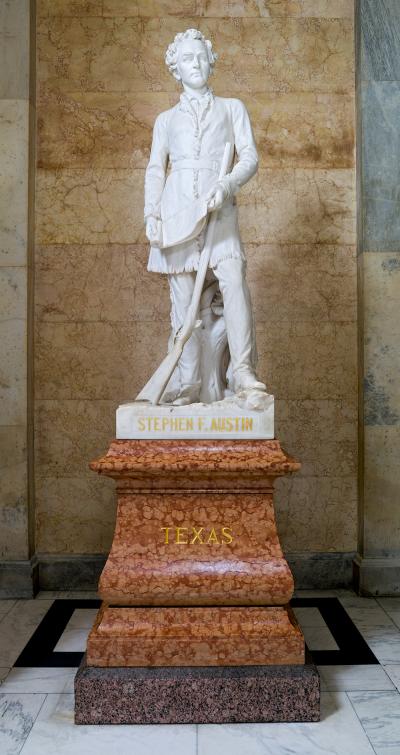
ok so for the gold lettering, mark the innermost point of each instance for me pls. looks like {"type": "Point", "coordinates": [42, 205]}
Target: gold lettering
{"type": "Point", "coordinates": [214, 425]}
{"type": "Point", "coordinates": [189, 423]}
{"type": "Point", "coordinates": [212, 538]}
{"type": "Point", "coordinates": [200, 423]}
{"type": "Point", "coordinates": [167, 529]}
{"type": "Point", "coordinates": [142, 424]}
{"type": "Point", "coordinates": [179, 533]}
{"type": "Point", "coordinates": [227, 535]}
{"type": "Point", "coordinates": [193, 535]}
{"type": "Point", "coordinates": [197, 535]}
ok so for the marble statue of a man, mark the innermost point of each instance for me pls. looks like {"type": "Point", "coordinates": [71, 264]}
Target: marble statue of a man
{"type": "Point", "coordinates": [189, 140]}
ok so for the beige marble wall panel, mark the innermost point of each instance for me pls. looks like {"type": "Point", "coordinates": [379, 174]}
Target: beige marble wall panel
{"type": "Point", "coordinates": [382, 489]}
{"type": "Point", "coordinates": [309, 360]}
{"type": "Point", "coordinates": [14, 49]}
{"type": "Point", "coordinates": [150, 8]}
{"type": "Point", "coordinates": [104, 283]}
{"type": "Point", "coordinates": [80, 432]}
{"type": "Point", "coordinates": [224, 8]}
{"type": "Point", "coordinates": [13, 388]}
{"type": "Point", "coordinates": [282, 54]}
{"type": "Point", "coordinates": [74, 515]}
{"type": "Point", "coordinates": [13, 372]}
{"type": "Point", "coordinates": [299, 206]}
{"type": "Point", "coordinates": [323, 433]}
{"type": "Point", "coordinates": [90, 206]}
{"type": "Point", "coordinates": [125, 8]}
{"type": "Point", "coordinates": [97, 360]}
{"type": "Point", "coordinates": [13, 485]}
{"type": "Point", "coordinates": [48, 8]}
{"type": "Point", "coordinates": [318, 281]}
{"type": "Point", "coordinates": [303, 129]}
{"type": "Point", "coordinates": [317, 513]}
{"type": "Point", "coordinates": [14, 140]}
{"type": "Point", "coordinates": [13, 295]}
{"type": "Point", "coordinates": [106, 206]}
{"type": "Point", "coordinates": [99, 130]}
{"type": "Point", "coordinates": [14, 124]}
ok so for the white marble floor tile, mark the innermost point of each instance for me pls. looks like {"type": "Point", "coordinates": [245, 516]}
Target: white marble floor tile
{"type": "Point", "coordinates": [67, 595]}
{"type": "Point", "coordinates": [74, 636]}
{"type": "Point", "coordinates": [40, 680]}
{"type": "Point", "coordinates": [17, 716]}
{"type": "Point", "coordinates": [344, 678]}
{"type": "Point", "coordinates": [379, 713]}
{"type": "Point", "coordinates": [389, 604]}
{"type": "Point", "coordinates": [17, 627]}
{"type": "Point", "coordinates": [384, 643]}
{"type": "Point", "coordinates": [72, 641]}
{"type": "Point", "coordinates": [392, 608]}
{"type": "Point", "coordinates": [368, 615]}
{"type": "Point", "coordinates": [338, 733]}
{"type": "Point", "coordinates": [393, 671]}
{"type": "Point", "coordinates": [319, 638]}
{"type": "Point", "coordinates": [82, 618]}
{"type": "Point", "coordinates": [356, 601]}
{"type": "Point", "coordinates": [5, 606]}
{"type": "Point", "coordinates": [309, 616]}
{"type": "Point", "coordinates": [55, 732]}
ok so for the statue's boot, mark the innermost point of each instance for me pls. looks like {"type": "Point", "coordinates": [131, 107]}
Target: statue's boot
{"type": "Point", "coordinates": [245, 379]}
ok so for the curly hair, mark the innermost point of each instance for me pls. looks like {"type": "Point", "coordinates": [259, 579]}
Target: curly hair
{"type": "Point", "coordinates": [171, 56]}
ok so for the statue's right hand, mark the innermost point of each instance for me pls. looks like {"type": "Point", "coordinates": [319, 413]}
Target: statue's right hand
{"type": "Point", "coordinates": [153, 227]}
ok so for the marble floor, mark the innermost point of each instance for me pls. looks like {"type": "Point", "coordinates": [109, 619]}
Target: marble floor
{"type": "Point", "coordinates": [354, 641]}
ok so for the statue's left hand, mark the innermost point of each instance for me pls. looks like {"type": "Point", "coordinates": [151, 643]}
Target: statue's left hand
{"type": "Point", "coordinates": [216, 197]}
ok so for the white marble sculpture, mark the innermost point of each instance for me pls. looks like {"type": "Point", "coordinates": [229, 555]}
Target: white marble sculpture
{"type": "Point", "coordinates": [202, 153]}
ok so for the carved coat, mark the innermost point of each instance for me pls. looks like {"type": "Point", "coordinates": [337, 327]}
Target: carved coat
{"type": "Point", "coordinates": [189, 140]}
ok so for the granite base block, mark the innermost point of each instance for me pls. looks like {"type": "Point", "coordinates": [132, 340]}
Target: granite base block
{"type": "Point", "coordinates": [212, 695]}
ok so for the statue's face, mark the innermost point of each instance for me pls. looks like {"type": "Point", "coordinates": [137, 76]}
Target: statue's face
{"type": "Point", "coordinates": [193, 64]}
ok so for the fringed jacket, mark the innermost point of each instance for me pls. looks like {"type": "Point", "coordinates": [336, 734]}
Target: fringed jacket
{"type": "Point", "coordinates": [186, 153]}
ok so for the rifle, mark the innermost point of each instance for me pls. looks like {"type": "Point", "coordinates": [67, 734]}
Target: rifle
{"type": "Point", "coordinates": [155, 387]}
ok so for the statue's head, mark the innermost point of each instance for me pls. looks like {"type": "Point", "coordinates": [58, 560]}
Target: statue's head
{"type": "Point", "coordinates": [190, 58]}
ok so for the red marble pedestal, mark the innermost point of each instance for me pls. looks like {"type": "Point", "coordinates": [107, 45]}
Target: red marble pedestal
{"type": "Point", "coordinates": [196, 575]}
{"type": "Point", "coordinates": [195, 625]}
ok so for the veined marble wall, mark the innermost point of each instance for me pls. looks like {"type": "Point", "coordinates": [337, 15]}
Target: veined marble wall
{"type": "Point", "coordinates": [102, 321]}
{"type": "Point", "coordinates": [379, 105]}
{"type": "Point", "coordinates": [14, 276]}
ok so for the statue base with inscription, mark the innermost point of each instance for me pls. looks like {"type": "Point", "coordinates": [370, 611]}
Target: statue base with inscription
{"type": "Point", "coordinates": [249, 415]}
{"type": "Point", "coordinates": [195, 591]}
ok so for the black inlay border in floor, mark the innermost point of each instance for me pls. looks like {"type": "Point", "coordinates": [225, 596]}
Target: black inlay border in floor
{"type": "Point", "coordinates": [39, 651]}
{"type": "Point", "coordinates": [353, 649]}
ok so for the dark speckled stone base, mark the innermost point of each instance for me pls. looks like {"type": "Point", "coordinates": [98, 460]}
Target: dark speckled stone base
{"type": "Point", "coordinates": [167, 695]}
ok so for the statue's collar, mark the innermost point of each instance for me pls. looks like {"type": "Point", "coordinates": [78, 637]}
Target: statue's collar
{"type": "Point", "coordinates": [205, 100]}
